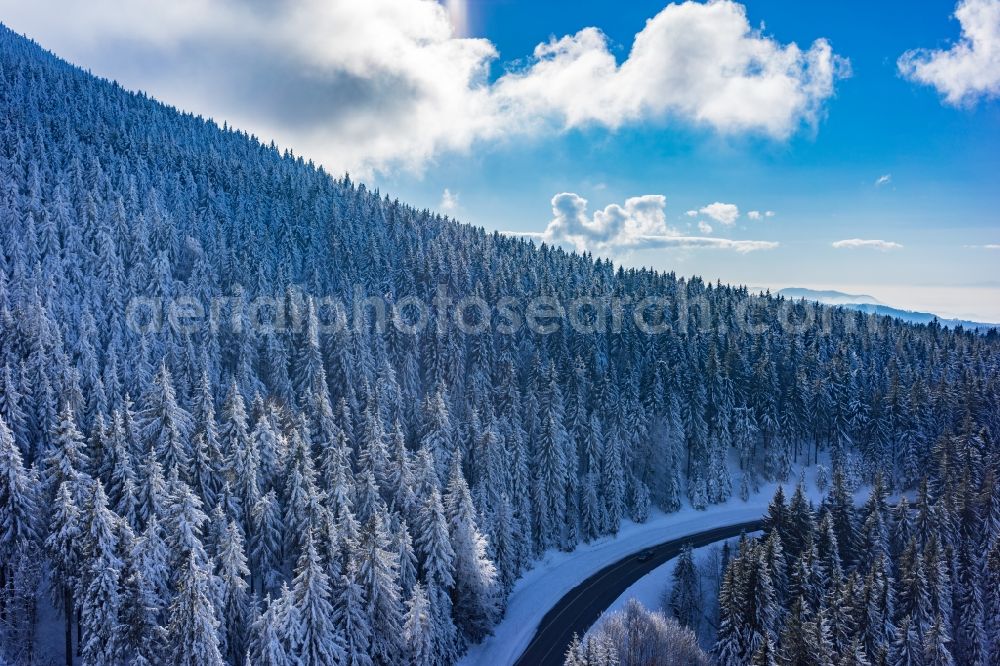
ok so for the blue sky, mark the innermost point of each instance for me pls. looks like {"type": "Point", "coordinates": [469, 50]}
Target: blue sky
{"type": "Point", "coordinates": [418, 99]}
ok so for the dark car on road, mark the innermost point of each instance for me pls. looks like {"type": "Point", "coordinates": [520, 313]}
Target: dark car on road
{"type": "Point", "coordinates": [646, 555]}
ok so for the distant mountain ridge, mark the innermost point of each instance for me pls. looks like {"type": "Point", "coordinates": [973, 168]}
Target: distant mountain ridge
{"type": "Point", "coordinates": [829, 296]}
{"type": "Point", "coordinates": [871, 305]}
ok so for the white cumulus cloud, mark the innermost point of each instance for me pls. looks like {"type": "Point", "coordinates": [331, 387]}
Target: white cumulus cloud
{"type": "Point", "coordinates": [754, 215]}
{"type": "Point", "coordinates": [970, 69]}
{"type": "Point", "coordinates": [704, 227]}
{"type": "Point", "coordinates": [874, 244]}
{"type": "Point", "coordinates": [640, 223]}
{"type": "Point", "coordinates": [613, 226]}
{"type": "Point", "coordinates": [380, 85]}
{"type": "Point", "coordinates": [723, 213]}
{"type": "Point", "coordinates": [700, 62]}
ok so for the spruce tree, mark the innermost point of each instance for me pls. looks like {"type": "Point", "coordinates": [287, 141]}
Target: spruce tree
{"type": "Point", "coordinates": [315, 639]}
{"type": "Point", "coordinates": [150, 557]}
{"type": "Point", "coordinates": [63, 547]}
{"type": "Point", "coordinates": [937, 651]}
{"type": "Point", "coordinates": [67, 461]}
{"type": "Point", "coordinates": [184, 524]}
{"type": "Point", "coordinates": [907, 649]}
{"type": "Point", "coordinates": [407, 558]}
{"type": "Point", "coordinates": [436, 554]}
{"type": "Point", "coordinates": [235, 608]}
{"type": "Point", "coordinates": [100, 584]}
{"type": "Point", "coordinates": [193, 623]}
{"type": "Point", "coordinates": [267, 648]}
{"type": "Point", "coordinates": [166, 425]}
{"type": "Point", "coordinates": [350, 617]}
{"type": "Point", "coordinates": [143, 638]}
{"type": "Point", "coordinates": [266, 541]}
{"type": "Point", "coordinates": [729, 643]}
{"type": "Point", "coordinates": [18, 500]}
{"type": "Point", "coordinates": [418, 630]}
{"type": "Point", "coordinates": [685, 592]}
{"type": "Point", "coordinates": [475, 576]}
{"type": "Point", "coordinates": [101, 608]}
{"type": "Point", "coordinates": [379, 578]}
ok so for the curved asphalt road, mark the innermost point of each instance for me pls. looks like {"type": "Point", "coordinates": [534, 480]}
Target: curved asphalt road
{"type": "Point", "coordinates": [582, 605]}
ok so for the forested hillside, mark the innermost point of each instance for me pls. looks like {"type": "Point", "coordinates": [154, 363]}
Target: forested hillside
{"type": "Point", "coordinates": [257, 480]}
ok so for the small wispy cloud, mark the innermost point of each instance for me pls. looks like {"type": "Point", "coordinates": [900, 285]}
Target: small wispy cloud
{"type": "Point", "coordinates": [739, 246]}
{"type": "Point", "coordinates": [884, 179]}
{"type": "Point", "coordinates": [861, 243]}
{"type": "Point", "coordinates": [449, 201]}
{"type": "Point", "coordinates": [704, 227]}
{"type": "Point", "coordinates": [988, 246]}
{"type": "Point", "coordinates": [755, 215]}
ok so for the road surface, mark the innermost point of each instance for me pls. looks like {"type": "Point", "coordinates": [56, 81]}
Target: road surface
{"type": "Point", "coordinates": [582, 605]}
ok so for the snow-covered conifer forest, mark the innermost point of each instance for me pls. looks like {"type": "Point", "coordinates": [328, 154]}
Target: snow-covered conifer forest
{"type": "Point", "coordinates": [903, 583]}
{"type": "Point", "coordinates": [199, 464]}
